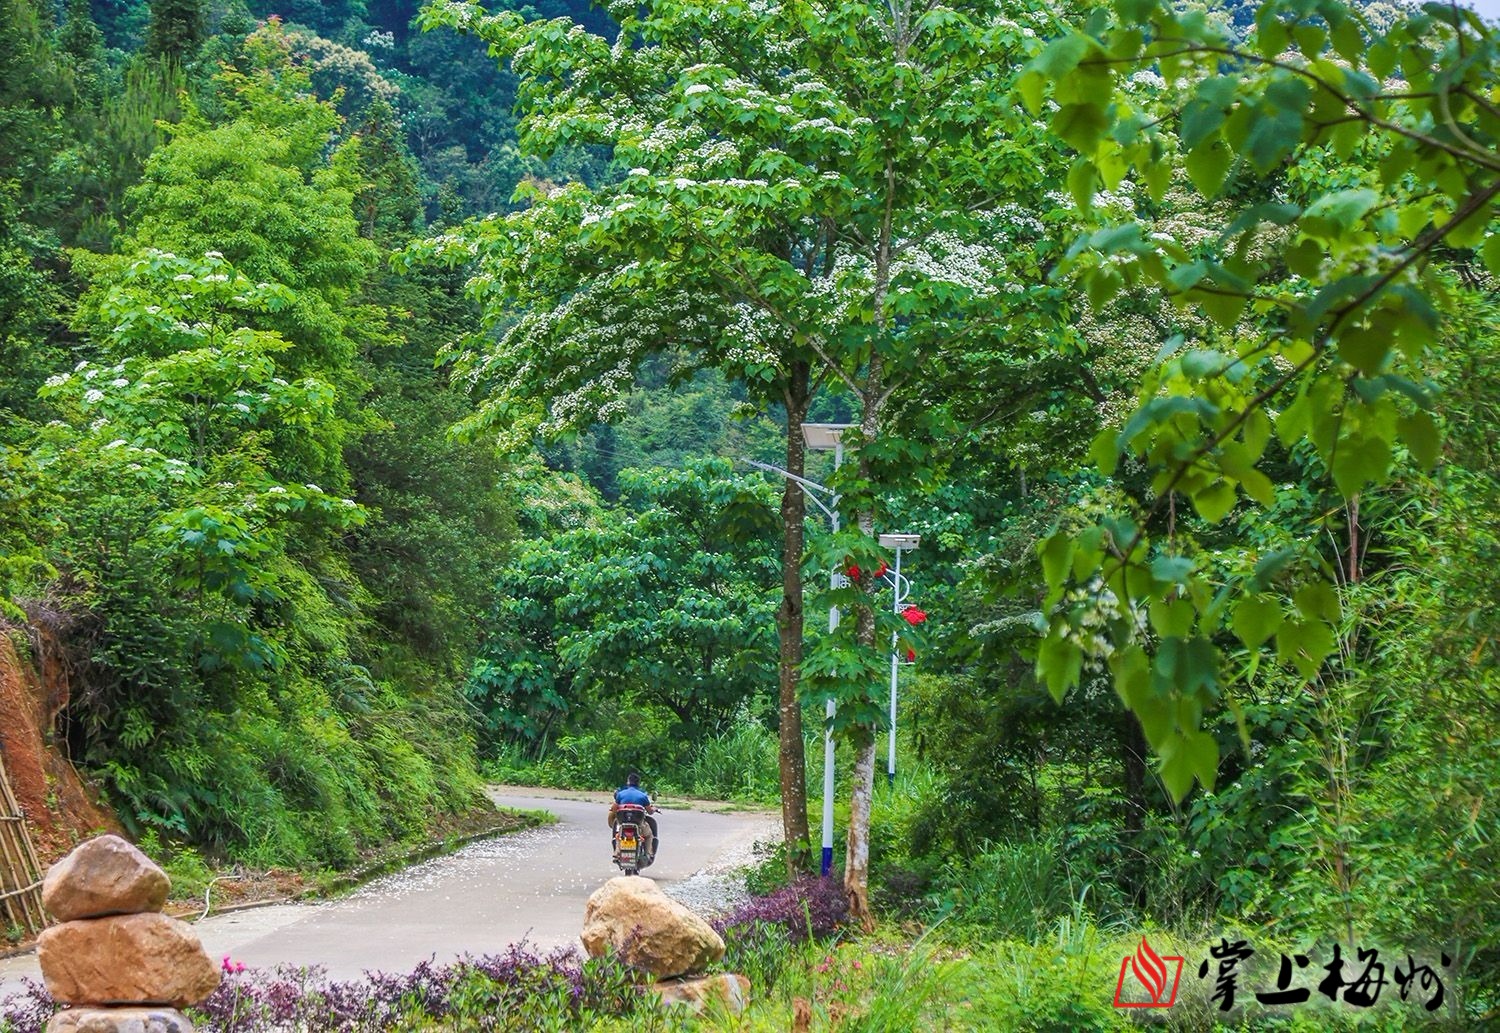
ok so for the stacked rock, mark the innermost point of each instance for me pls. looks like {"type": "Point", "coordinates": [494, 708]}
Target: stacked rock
{"type": "Point", "coordinates": [632, 918]}
{"type": "Point", "coordinates": [117, 962]}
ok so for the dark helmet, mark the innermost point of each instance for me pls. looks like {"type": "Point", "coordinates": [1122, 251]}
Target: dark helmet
{"type": "Point", "coordinates": [632, 779]}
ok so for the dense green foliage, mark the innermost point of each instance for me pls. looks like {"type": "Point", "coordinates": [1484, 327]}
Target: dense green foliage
{"type": "Point", "coordinates": [230, 502]}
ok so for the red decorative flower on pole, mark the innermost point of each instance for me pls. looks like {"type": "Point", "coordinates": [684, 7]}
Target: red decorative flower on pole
{"type": "Point", "coordinates": [911, 656]}
{"type": "Point", "coordinates": [913, 616]}
{"type": "Point", "coordinates": [880, 571]}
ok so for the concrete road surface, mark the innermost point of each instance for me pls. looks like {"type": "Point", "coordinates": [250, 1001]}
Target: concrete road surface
{"type": "Point", "coordinates": [530, 886]}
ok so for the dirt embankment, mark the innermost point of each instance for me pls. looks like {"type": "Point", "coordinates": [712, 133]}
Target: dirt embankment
{"type": "Point", "coordinates": [60, 809]}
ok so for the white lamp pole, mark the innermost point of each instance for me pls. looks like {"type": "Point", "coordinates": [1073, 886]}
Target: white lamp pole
{"type": "Point", "coordinates": [832, 709]}
{"type": "Point", "coordinates": [819, 437]}
{"type": "Point", "coordinates": [822, 437]}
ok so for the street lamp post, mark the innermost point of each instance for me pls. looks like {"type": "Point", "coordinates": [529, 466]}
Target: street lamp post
{"type": "Point", "coordinates": [900, 590]}
{"type": "Point", "coordinates": [820, 437]}
{"type": "Point", "coordinates": [823, 437]}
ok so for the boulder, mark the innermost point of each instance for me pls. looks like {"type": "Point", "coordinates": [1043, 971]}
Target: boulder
{"type": "Point", "coordinates": [648, 929]}
{"type": "Point", "coordinates": [725, 990]}
{"type": "Point", "coordinates": [104, 876]}
{"type": "Point", "coordinates": [126, 959]}
{"type": "Point", "coordinates": [119, 1020]}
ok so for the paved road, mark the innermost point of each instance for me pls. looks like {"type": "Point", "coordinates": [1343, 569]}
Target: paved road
{"type": "Point", "coordinates": [530, 886]}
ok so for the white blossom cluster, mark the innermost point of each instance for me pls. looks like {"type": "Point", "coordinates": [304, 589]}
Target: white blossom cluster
{"type": "Point", "coordinates": [946, 257]}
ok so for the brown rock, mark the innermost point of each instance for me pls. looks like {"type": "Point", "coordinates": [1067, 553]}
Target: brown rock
{"type": "Point", "coordinates": [119, 1020]}
{"type": "Point", "coordinates": [104, 876]}
{"type": "Point", "coordinates": [126, 959]}
{"type": "Point", "coordinates": [801, 1015]}
{"type": "Point", "coordinates": [725, 990]}
{"type": "Point", "coordinates": [648, 929]}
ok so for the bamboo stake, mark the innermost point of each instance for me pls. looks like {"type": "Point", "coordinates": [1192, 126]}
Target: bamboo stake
{"type": "Point", "coordinates": [23, 872]}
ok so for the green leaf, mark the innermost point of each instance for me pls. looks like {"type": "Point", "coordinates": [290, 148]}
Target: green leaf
{"type": "Point", "coordinates": [1360, 460]}
{"type": "Point", "coordinates": [1367, 347]}
{"type": "Point", "coordinates": [1336, 213]}
{"type": "Point", "coordinates": [1207, 165]}
{"type": "Point", "coordinates": [1177, 767]}
{"type": "Point", "coordinates": [1081, 125]}
{"type": "Point", "coordinates": [1214, 502]}
{"type": "Point", "coordinates": [1490, 251]}
{"type": "Point", "coordinates": [1224, 308]}
{"type": "Point", "coordinates": [1270, 565]}
{"type": "Point", "coordinates": [1032, 86]}
{"type": "Point", "coordinates": [1304, 644]}
{"type": "Point", "coordinates": [1132, 675]}
{"type": "Point", "coordinates": [1203, 753]}
{"type": "Point", "coordinates": [1057, 554]}
{"type": "Point", "coordinates": [1172, 570]}
{"type": "Point", "coordinates": [1419, 432]}
{"type": "Point", "coordinates": [1172, 620]}
{"type": "Point", "coordinates": [1061, 56]}
{"type": "Point", "coordinates": [1318, 599]}
{"type": "Point", "coordinates": [1256, 619]}
{"type": "Point", "coordinates": [1083, 180]}
{"type": "Point", "coordinates": [1105, 451]}
{"type": "Point", "coordinates": [1059, 664]}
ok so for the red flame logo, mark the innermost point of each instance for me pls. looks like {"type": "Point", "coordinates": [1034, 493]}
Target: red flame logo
{"type": "Point", "coordinates": [1154, 975]}
{"type": "Point", "coordinates": [1150, 970]}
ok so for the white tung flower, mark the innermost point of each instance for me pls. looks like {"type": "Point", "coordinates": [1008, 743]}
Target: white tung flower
{"type": "Point", "coordinates": [93, 395]}
{"type": "Point", "coordinates": [697, 88]}
{"type": "Point", "coordinates": [116, 443]}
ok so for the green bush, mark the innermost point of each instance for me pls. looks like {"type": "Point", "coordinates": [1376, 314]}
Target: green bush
{"type": "Point", "coordinates": [1012, 890]}
{"type": "Point", "coordinates": [737, 764]}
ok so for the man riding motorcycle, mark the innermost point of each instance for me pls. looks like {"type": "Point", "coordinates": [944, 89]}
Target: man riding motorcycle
{"type": "Point", "coordinates": [632, 794]}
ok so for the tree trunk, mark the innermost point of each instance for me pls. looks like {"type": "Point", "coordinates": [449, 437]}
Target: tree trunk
{"type": "Point", "coordinates": [857, 858]}
{"type": "Point", "coordinates": [789, 626]}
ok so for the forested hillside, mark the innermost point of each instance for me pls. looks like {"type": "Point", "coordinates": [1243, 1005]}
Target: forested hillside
{"type": "Point", "coordinates": [390, 395]}
{"type": "Point", "coordinates": [230, 500]}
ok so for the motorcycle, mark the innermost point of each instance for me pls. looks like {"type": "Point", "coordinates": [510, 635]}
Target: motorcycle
{"type": "Point", "coordinates": [631, 832]}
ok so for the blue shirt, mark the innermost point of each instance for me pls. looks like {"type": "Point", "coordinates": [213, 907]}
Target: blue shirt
{"type": "Point", "coordinates": [633, 794]}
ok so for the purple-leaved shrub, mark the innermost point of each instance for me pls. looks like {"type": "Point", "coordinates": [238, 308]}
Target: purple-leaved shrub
{"type": "Point", "coordinates": [26, 1010]}
{"type": "Point", "coordinates": [808, 908]}
{"type": "Point", "coordinates": [758, 934]}
{"type": "Point", "coordinates": [519, 987]}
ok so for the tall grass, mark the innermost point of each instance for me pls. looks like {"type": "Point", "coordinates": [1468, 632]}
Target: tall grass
{"type": "Point", "coordinates": [1014, 890]}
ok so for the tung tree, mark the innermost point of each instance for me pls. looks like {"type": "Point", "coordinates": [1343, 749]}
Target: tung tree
{"type": "Point", "coordinates": [813, 196]}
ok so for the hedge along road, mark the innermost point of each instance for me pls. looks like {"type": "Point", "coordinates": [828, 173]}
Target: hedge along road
{"type": "Point", "coordinates": [530, 885]}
